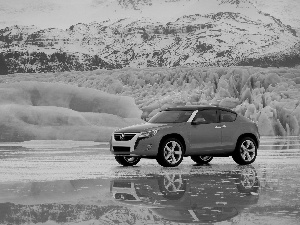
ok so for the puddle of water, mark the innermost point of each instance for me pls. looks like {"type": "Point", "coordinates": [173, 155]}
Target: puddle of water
{"type": "Point", "coordinates": [40, 182]}
{"type": "Point", "coordinates": [157, 198]}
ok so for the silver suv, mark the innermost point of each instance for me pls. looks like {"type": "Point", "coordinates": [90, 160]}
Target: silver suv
{"type": "Point", "coordinates": [201, 132]}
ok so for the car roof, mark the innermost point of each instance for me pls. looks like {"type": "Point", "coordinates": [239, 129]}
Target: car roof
{"type": "Point", "coordinates": [196, 107]}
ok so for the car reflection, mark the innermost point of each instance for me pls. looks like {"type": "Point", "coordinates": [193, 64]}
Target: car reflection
{"type": "Point", "coordinates": [193, 197]}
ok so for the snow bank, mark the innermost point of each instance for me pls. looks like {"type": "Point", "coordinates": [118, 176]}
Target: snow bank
{"type": "Point", "coordinates": [35, 110]}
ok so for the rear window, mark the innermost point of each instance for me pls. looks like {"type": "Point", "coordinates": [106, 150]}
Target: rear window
{"type": "Point", "coordinates": [171, 117]}
{"type": "Point", "coordinates": [228, 116]}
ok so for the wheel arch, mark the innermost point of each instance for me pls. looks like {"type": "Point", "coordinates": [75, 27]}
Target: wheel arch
{"type": "Point", "coordinates": [248, 135]}
{"type": "Point", "coordinates": [173, 135]}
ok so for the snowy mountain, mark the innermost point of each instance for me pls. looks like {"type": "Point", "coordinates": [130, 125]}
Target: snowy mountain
{"type": "Point", "coordinates": [157, 33]}
{"type": "Point", "coordinates": [62, 14]}
{"type": "Point", "coordinates": [285, 10]}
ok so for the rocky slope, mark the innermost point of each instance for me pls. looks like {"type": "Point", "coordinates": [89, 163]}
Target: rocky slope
{"type": "Point", "coordinates": [207, 33]}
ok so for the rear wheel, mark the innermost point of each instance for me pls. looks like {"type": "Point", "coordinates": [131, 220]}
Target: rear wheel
{"type": "Point", "coordinates": [127, 160]}
{"type": "Point", "coordinates": [247, 181]}
{"type": "Point", "coordinates": [245, 151]}
{"type": "Point", "coordinates": [201, 159]}
{"type": "Point", "coordinates": [170, 153]}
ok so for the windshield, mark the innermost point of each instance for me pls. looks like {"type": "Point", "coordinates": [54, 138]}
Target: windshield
{"type": "Point", "coordinates": [171, 117]}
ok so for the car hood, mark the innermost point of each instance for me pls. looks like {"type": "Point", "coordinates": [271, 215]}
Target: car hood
{"type": "Point", "coordinates": [141, 127]}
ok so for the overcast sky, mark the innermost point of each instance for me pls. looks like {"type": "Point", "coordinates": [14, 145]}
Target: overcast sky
{"type": "Point", "coordinates": [44, 13]}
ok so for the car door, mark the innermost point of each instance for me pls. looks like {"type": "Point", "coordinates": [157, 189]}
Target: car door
{"type": "Point", "coordinates": [229, 127]}
{"type": "Point", "coordinates": [205, 138]}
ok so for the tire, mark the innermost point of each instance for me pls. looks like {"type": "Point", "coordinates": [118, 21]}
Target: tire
{"type": "Point", "coordinates": [201, 159]}
{"type": "Point", "coordinates": [247, 181]}
{"type": "Point", "coordinates": [172, 186]}
{"type": "Point", "coordinates": [245, 151]}
{"type": "Point", "coordinates": [170, 153]}
{"type": "Point", "coordinates": [127, 160]}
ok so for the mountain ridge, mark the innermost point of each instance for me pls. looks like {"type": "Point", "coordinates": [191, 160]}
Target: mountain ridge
{"type": "Point", "coordinates": [213, 39]}
{"type": "Point", "coordinates": [62, 14]}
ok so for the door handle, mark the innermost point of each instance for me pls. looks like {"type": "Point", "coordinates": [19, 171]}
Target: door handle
{"type": "Point", "coordinates": [218, 127]}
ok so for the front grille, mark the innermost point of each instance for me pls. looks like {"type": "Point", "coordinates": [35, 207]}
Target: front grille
{"type": "Point", "coordinates": [123, 137]}
{"type": "Point", "coordinates": [121, 149]}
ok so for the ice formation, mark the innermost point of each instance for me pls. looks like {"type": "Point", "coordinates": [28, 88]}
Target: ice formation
{"type": "Point", "coordinates": [36, 110]}
{"type": "Point", "coordinates": [268, 96]}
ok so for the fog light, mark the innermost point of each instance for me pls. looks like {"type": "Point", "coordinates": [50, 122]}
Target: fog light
{"type": "Point", "coordinates": [149, 147]}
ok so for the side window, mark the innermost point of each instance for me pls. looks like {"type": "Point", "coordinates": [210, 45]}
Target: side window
{"type": "Point", "coordinates": [207, 116]}
{"type": "Point", "coordinates": [227, 116]}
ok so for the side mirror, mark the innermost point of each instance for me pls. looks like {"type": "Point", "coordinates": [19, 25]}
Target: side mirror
{"type": "Point", "coordinates": [199, 121]}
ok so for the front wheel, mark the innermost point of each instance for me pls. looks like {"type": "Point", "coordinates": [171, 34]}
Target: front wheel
{"type": "Point", "coordinates": [172, 186]}
{"type": "Point", "coordinates": [201, 159]}
{"type": "Point", "coordinates": [170, 153]}
{"type": "Point", "coordinates": [127, 160]}
{"type": "Point", "coordinates": [245, 151]}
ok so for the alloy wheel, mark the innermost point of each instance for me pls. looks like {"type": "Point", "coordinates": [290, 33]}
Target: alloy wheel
{"type": "Point", "coordinates": [127, 160]}
{"type": "Point", "coordinates": [248, 178]}
{"type": "Point", "coordinates": [173, 182]}
{"type": "Point", "coordinates": [205, 158]}
{"type": "Point", "coordinates": [130, 159]}
{"type": "Point", "coordinates": [247, 150]}
{"type": "Point", "coordinates": [172, 152]}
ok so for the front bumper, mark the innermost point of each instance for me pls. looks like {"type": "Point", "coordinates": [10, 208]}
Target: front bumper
{"type": "Point", "coordinates": [135, 147]}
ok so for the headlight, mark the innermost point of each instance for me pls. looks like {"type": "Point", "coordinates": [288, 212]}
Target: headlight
{"type": "Point", "coordinates": [148, 134]}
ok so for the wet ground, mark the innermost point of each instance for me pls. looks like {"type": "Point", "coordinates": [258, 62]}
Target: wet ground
{"type": "Point", "coordinates": [66, 182]}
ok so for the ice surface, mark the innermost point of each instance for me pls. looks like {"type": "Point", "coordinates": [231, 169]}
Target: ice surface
{"type": "Point", "coordinates": [268, 96]}
{"type": "Point", "coordinates": [36, 110]}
